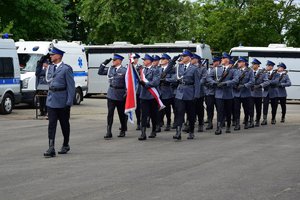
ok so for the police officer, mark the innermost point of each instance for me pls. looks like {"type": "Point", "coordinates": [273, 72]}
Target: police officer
{"type": "Point", "coordinates": [188, 90]}
{"type": "Point", "coordinates": [196, 60]}
{"type": "Point", "coordinates": [156, 60]}
{"type": "Point", "coordinates": [138, 104]}
{"type": "Point", "coordinates": [284, 81]}
{"type": "Point", "coordinates": [270, 92]}
{"type": "Point", "coordinates": [242, 92]}
{"type": "Point", "coordinates": [115, 94]}
{"type": "Point", "coordinates": [210, 94]}
{"type": "Point", "coordinates": [149, 106]}
{"type": "Point", "coordinates": [256, 92]}
{"type": "Point", "coordinates": [40, 74]}
{"type": "Point", "coordinates": [166, 91]}
{"type": "Point", "coordinates": [59, 100]}
{"type": "Point", "coordinates": [223, 78]}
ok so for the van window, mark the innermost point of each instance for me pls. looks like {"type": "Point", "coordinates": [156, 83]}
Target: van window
{"type": "Point", "coordinates": [6, 67]}
{"type": "Point", "coordinates": [28, 62]}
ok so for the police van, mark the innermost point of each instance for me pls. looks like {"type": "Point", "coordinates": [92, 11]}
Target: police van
{"type": "Point", "coordinates": [30, 52]}
{"type": "Point", "coordinates": [10, 93]}
{"type": "Point", "coordinates": [276, 53]}
{"type": "Point", "coordinates": [96, 54]}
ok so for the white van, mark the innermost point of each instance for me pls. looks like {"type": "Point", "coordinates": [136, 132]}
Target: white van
{"type": "Point", "coordinates": [30, 52]}
{"type": "Point", "coordinates": [276, 53]}
{"type": "Point", "coordinates": [10, 93]}
{"type": "Point", "coordinates": [98, 53]}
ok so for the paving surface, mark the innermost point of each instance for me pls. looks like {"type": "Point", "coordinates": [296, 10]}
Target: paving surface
{"type": "Point", "coordinates": [256, 164]}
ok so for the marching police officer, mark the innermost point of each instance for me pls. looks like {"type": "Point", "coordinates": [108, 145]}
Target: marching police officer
{"type": "Point", "coordinates": [284, 81]}
{"type": "Point", "coordinates": [196, 60]}
{"type": "Point", "coordinates": [256, 92]}
{"type": "Point", "coordinates": [188, 90]}
{"type": "Point", "coordinates": [223, 78]}
{"type": "Point", "coordinates": [59, 100]}
{"type": "Point", "coordinates": [138, 104]}
{"type": "Point", "coordinates": [270, 92]}
{"type": "Point", "coordinates": [166, 90]}
{"type": "Point", "coordinates": [156, 60]}
{"type": "Point", "coordinates": [115, 94]}
{"type": "Point", "coordinates": [210, 94]}
{"type": "Point", "coordinates": [149, 106]}
{"type": "Point", "coordinates": [242, 93]}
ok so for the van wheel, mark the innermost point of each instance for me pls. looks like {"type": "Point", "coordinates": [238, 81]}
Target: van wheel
{"type": "Point", "coordinates": [78, 96]}
{"type": "Point", "coordinates": [7, 104]}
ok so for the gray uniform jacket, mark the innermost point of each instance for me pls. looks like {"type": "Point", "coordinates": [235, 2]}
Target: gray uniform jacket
{"type": "Point", "coordinates": [117, 88]}
{"type": "Point", "coordinates": [61, 86]}
{"type": "Point", "coordinates": [259, 77]}
{"type": "Point", "coordinates": [189, 83]}
{"type": "Point", "coordinates": [209, 88]}
{"type": "Point", "coordinates": [231, 78]}
{"type": "Point", "coordinates": [202, 74]}
{"type": "Point", "coordinates": [271, 86]}
{"type": "Point", "coordinates": [284, 81]}
{"type": "Point", "coordinates": [165, 86]}
{"type": "Point", "coordinates": [153, 76]}
{"type": "Point", "coordinates": [246, 78]}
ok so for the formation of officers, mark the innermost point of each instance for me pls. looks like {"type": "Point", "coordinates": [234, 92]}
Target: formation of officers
{"type": "Point", "coordinates": [187, 85]}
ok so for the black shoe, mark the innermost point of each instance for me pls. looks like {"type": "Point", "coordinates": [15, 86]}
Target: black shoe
{"type": "Point", "coordinates": [191, 136]}
{"type": "Point", "coordinates": [264, 121]}
{"type": "Point", "coordinates": [273, 121]}
{"type": "Point", "coordinates": [200, 128]}
{"type": "Point", "coordinates": [251, 123]}
{"type": "Point", "coordinates": [143, 134]}
{"type": "Point", "coordinates": [282, 120]}
{"type": "Point", "coordinates": [152, 134]}
{"type": "Point", "coordinates": [209, 125]}
{"type": "Point", "coordinates": [64, 149]}
{"type": "Point", "coordinates": [246, 125]}
{"type": "Point", "coordinates": [108, 133]}
{"type": "Point", "coordinates": [237, 125]}
{"type": "Point", "coordinates": [51, 151]}
{"type": "Point", "coordinates": [158, 129]}
{"type": "Point", "coordinates": [177, 136]}
{"type": "Point", "coordinates": [138, 127]}
{"type": "Point", "coordinates": [168, 128]}
{"type": "Point", "coordinates": [228, 129]}
{"type": "Point", "coordinates": [256, 123]}
{"type": "Point", "coordinates": [122, 134]}
{"type": "Point", "coordinates": [219, 129]}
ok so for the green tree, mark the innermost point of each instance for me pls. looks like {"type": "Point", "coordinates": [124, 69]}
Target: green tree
{"type": "Point", "coordinates": [144, 21]}
{"type": "Point", "coordinates": [33, 19]}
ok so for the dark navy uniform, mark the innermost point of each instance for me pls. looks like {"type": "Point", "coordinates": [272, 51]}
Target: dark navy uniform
{"type": "Point", "coordinates": [115, 96]}
{"type": "Point", "coordinates": [59, 101]}
{"type": "Point", "coordinates": [270, 93]}
{"type": "Point", "coordinates": [187, 91]}
{"type": "Point", "coordinates": [284, 81]}
{"type": "Point", "coordinates": [223, 78]}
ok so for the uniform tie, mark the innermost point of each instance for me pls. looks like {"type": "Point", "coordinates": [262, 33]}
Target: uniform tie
{"type": "Point", "coordinates": [254, 73]}
{"type": "Point", "coordinates": [185, 67]}
{"type": "Point", "coordinates": [54, 69]}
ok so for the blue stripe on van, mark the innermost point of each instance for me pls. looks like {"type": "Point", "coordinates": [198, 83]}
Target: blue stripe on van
{"type": "Point", "coordinates": [80, 73]}
{"type": "Point", "coordinates": [6, 81]}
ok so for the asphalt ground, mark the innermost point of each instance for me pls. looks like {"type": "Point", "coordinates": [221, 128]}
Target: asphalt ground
{"type": "Point", "coordinates": [255, 164]}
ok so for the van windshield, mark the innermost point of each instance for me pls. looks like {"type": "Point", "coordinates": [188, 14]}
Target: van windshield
{"type": "Point", "coordinates": [28, 62]}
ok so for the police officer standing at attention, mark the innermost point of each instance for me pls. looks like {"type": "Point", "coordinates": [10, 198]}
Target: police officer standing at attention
{"type": "Point", "coordinates": [115, 94]}
{"type": "Point", "coordinates": [166, 91]}
{"type": "Point", "coordinates": [210, 94]}
{"type": "Point", "coordinates": [149, 106]}
{"type": "Point", "coordinates": [242, 93]}
{"type": "Point", "coordinates": [256, 92]}
{"type": "Point", "coordinates": [223, 78]}
{"type": "Point", "coordinates": [284, 81]}
{"type": "Point", "coordinates": [59, 100]}
{"type": "Point", "coordinates": [138, 104]}
{"type": "Point", "coordinates": [270, 92]}
{"type": "Point", "coordinates": [188, 90]}
{"type": "Point", "coordinates": [196, 60]}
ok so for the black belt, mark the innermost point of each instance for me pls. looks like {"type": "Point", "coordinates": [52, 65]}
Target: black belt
{"type": "Point", "coordinates": [184, 83]}
{"type": "Point", "coordinates": [116, 87]}
{"type": "Point", "coordinates": [57, 89]}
